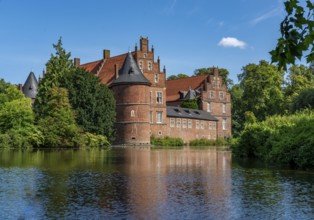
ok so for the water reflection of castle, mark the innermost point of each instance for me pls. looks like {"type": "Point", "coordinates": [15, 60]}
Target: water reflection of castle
{"type": "Point", "coordinates": [158, 178]}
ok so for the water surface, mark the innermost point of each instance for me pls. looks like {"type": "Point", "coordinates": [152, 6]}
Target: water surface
{"type": "Point", "coordinates": [148, 184]}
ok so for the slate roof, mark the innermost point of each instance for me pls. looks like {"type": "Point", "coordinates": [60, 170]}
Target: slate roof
{"type": "Point", "coordinates": [175, 86]}
{"type": "Point", "coordinates": [130, 73]}
{"type": "Point", "coordinates": [30, 86]}
{"type": "Point", "coordinates": [178, 112]}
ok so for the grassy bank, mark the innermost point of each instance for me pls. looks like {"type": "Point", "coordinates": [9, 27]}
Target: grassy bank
{"type": "Point", "coordinates": [203, 142]}
{"type": "Point", "coordinates": [282, 140]}
{"type": "Point", "coordinates": [167, 141]}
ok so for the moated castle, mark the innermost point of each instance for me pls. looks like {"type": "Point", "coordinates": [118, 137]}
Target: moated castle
{"type": "Point", "coordinates": [147, 104]}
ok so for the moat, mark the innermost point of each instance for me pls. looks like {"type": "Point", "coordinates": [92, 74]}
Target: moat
{"type": "Point", "coordinates": [148, 184]}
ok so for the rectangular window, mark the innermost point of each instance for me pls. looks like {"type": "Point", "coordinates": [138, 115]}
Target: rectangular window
{"type": "Point", "coordinates": [221, 95]}
{"type": "Point", "coordinates": [183, 123]}
{"type": "Point", "coordinates": [159, 117]}
{"type": "Point", "coordinates": [189, 123]}
{"type": "Point", "coordinates": [159, 98]}
{"type": "Point", "coordinates": [202, 124]}
{"type": "Point", "coordinates": [212, 94]}
{"type": "Point", "coordinates": [151, 117]}
{"type": "Point", "coordinates": [208, 107]}
{"type": "Point", "coordinates": [171, 122]}
{"type": "Point", "coordinates": [197, 124]}
{"type": "Point", "coordinates": [141, 65]}
{"type": "Point", "coordinates": [224, 107]}
{"type": "Point", "coordinates": [150, 65]}
{"type": "Point", "coordinates": [156, 78]}
{"type": "Point", "coordinates": [224, 124]}
{"type": "Point", "coordinates": [178, 123]}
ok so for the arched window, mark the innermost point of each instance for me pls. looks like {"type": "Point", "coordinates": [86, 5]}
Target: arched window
{"type": "Point", "coordinates": [132, 113]}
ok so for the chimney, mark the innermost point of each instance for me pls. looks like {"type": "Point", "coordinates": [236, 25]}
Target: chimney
{"type": "Point", "coordinates": [216, 72]}
{"type": "Point", "coordinates": [116, 71]}
{"type": "Point", "coordinates": [77, 62]}
{"type": "Point", "coordinates": [144, 44]}
{"type": "Point", "coordinates": [20, 87]}
{"type": "Point", "coordinates": [106, 54]}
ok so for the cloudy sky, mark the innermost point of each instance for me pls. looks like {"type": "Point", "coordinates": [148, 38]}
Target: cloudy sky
{"type": "Point", "coordinates": [186, 34]}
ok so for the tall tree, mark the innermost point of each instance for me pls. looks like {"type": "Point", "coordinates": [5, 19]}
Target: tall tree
{"type": "Point", "coordinates": [92, 102]}
{"type": "Point", "coordinates": [297, 34]}
{"type": "Point", "coordinates": [17, 129]}
{"type": "Point", "coordinates": [299, 77]}
{"type": "Point", "coordinates": [262, 89]}
{"type": "Point", "coordinates": [57, 67]}
{"type": "Point", "coordinates": [58, 125]}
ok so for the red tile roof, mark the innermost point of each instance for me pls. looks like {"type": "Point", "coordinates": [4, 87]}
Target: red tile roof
{"type": "Point", "coordinates": [184, 84]}
{"type": "Point", "coordinates": [107, 72]}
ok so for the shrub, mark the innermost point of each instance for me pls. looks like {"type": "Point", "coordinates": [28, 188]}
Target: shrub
{"type": "Point", "coordinates": [207, 142]}
{"type": "Point", "coordinates": [166, 141]}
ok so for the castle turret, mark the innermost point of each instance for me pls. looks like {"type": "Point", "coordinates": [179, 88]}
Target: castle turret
{"type": "Point", "coordinates": [30, 86]}
{"type": "Point", "coordinates": [131, 90]}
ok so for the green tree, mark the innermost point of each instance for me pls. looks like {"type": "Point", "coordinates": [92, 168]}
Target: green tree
{"type": "Point", "coordinates": [304, 100]}
{"type": "Point", "coordinates": [262, 89]}
{"type": "Point", "coordinates": [237, 113]}
{"type": "Point", "coordinates": [92, 102]}
{"type": "Point", "coordinates": [17, 129]}
{"type": "Point", "coordinates": [224, 73]}
{"type": "Point", "coordinates": [57, 67]}
{"type": "Point", "coordinates": [297, 35]}
{"type": "Point", "coordinates": [299, 78]}
{"type": "Point", "coordinates": [178, 76]}
{"type": "Point", "coordinates": [192, 103]}
{"type": "Point", "coordinates": [58, 125]}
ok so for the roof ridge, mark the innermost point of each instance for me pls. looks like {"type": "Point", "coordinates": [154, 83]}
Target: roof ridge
{"type": "Point", "coordinates": [188, 77]}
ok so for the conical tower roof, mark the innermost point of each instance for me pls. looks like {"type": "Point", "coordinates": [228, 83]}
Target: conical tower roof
{"type": "Point", "coordinates": [30, 86]}
{"type": "Point", "coordinates": [130, 73]}
{"type": "Point", "coordinates": [190, 95]}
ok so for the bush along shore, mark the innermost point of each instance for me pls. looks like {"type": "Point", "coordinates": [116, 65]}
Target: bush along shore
{"type": "Point", "coordinates": [279, 140]}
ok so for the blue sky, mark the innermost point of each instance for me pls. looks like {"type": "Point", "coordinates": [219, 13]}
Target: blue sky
{"type": "Point", "coordinates": [186, 34]}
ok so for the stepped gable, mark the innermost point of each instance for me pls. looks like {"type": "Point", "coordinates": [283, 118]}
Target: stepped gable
{"type": "Point", "coordinates": [184, 84]}
{"type": "Point", "coordinates": [30, 86]}
{"type": "Point", "coordinates": [130, 73]}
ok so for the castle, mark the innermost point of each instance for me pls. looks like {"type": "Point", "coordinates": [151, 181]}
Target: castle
{"type": "Point", "coordinates": [149, 105]}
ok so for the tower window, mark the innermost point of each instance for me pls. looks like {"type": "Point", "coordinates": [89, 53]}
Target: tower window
{"type": "Point", "coordinates": [159, 98]}
{"type": "Point", "coordinates": [212, 94]}
{"type": "Point", "coordinates": [141, 65]}
{"type": "Point", "coordinates": [224, 108]}
{"type": "Point", "coordinates": [159, 117]}
{"type": "Point", "coordinates": [208, 107]}
{"type": "Point", "coordinates": [224, 124]}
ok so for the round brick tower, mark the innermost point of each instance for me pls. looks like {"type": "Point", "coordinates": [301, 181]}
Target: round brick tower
{"type": "Point", "coordinates": [131, 91]}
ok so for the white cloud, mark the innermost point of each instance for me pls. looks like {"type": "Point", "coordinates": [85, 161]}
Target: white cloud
{"type": "Point", "coordinates": [273, 13]}
{"type": "Point", "coordinates": [231, 42]}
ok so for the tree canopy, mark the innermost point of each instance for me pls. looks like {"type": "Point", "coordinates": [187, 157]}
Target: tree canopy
{"type": "Point", "coordinates": [92, 102]}
{"type": "Point", "coordinates": [297, 35]}
{"type": "Point", "coordinates": [178, 76]}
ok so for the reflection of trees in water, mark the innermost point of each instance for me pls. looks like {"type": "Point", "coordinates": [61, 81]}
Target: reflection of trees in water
{"type": "Point", "coordinates": [138, 183]}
